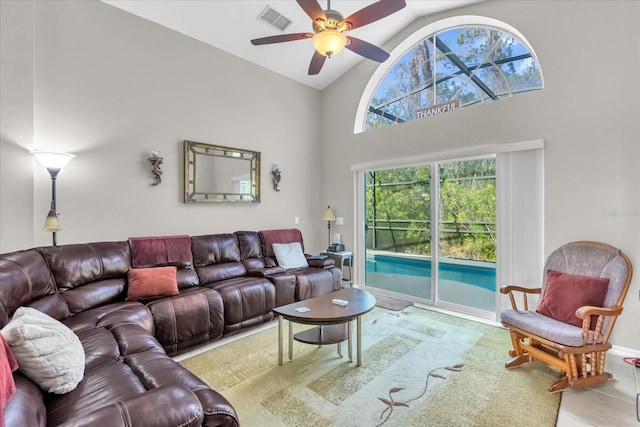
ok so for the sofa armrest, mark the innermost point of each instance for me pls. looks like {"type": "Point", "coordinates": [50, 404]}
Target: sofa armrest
{"type": "Point", "coordinates": [168, 406]}
{"type": "Point", "coordinates": [321, 263]}
{"type": "Point", "coordinates": [218, 412]}
{"type": "Point", "coordinates": [26, 406]}
{"type": "Point", "coordinates": [265, 272]}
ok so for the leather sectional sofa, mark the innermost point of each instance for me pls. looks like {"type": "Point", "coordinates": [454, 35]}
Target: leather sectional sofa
{"type": "Point", "coordinates": [226, 282]}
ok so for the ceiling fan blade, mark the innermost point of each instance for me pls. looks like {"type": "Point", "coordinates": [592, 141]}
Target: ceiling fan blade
{"type": "Point", "coordinates": [373, 12]}
{"type": "Point", "coordinates": [281, 38]}
{"type": "Point", "coordinates": [366, 49]}
{"type": "Point", "coordinates": [313, 9]}
{"type": "Point", "coordinates": [317, 61]}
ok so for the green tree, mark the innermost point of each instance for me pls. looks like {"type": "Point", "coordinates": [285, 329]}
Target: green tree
{"type": "Point", "coordinates": [398, 208]}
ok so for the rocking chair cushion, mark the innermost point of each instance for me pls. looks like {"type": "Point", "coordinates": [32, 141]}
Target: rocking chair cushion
{"type": "Point", "coordinates": [565, 293]}
{"type": "Point", "coordinates": [545, 327]}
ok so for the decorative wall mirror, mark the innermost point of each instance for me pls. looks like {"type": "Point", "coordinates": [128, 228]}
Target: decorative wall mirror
{"type": "Point", "coordinates": [214, 174]}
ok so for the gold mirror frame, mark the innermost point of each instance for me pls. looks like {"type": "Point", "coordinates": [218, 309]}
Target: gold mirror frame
{"type": "Point", "coordinates": [217, 174]}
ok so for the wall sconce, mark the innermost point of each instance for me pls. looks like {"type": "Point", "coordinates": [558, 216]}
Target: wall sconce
{"type": "Point", "coordinates": [53, 162]}
{"type": "Point", "coordinates": [276, 176]}
{"type": "Point", "coordinates": [156, 161]}
{"type": "Point", "coordinates": [328, 216]}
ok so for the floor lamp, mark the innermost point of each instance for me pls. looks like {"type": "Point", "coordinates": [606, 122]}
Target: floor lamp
{"type": "Point", "coordinates": [53, 162]}
{"type": "Point", "coordinates": [328, 216]}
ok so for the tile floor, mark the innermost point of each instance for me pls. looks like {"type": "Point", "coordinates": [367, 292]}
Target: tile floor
{"type": "Point", "coordinates": [609, 404]}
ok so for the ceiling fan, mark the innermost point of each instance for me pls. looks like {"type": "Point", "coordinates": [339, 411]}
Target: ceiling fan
{"type": "Point", "coordinates": [328, 31]}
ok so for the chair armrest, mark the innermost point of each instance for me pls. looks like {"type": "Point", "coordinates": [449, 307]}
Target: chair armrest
{"type": "Point", "coordinates": [510, 289]}
{"type": "Point", "coordinates": [589, 310]}
{"type": "Point", "coordinates": [585, 313]}
{"type": "Point", "coordinates": [505, 289]}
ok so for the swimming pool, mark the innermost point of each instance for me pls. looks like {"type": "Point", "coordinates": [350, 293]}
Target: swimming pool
{"type": "Point", "coordinates": [481, 274]}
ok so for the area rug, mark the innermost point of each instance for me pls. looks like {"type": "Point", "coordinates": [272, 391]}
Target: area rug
{"type": "Point", "coordinates": [419, 368]}
{"type": "Point", "coordinates": [390, 303]}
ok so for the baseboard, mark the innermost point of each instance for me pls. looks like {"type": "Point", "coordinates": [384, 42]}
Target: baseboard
{"type": "Point", "coordinates": [624, 351]}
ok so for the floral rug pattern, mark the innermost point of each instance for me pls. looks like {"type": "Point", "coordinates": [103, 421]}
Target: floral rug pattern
{"type": "Point", "coordinates": [418, 368]}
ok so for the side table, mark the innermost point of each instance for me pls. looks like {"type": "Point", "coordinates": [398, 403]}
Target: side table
{"type": "Point", "coordinates": [343, 259]}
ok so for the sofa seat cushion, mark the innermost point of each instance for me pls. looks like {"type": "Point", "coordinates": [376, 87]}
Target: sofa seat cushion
{"type": "Point", "coordinates": [146, 410]}
{"type": "Point", "coordinates": [111, 315]}
{"type": "Point", "coordinates": [545, 327]}
{"type": "Point", "coordinates": [312, 282]}
{"type": "Point", "coordinates": [127, 370]}
{"type": "Point", "coordinates": [247, 301]}
{"type": "Point", "coordinates": [196, 316]}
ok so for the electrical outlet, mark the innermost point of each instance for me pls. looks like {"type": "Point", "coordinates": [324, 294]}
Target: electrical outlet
{"type": "Point", "coordinates": [296, 220]}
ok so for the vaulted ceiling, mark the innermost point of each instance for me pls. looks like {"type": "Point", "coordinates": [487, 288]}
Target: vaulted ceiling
{"type": "Point", "coordinates": [231, 24]}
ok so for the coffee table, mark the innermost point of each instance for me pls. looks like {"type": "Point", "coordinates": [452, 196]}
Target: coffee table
{"type": "Point", "coordinates": [334, 322]}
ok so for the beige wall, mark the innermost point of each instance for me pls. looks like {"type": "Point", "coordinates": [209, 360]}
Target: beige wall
{"type": "Point", "coordinates": [110, 87]}
{"type": "Point", "coordinates": [16, 125]}
{"type": "Point", "coordinates": [588, 115]}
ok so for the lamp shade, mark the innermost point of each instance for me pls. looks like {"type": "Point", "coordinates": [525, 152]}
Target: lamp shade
{"type": "Point", "coordinates": [329, 42]}
{"type": "Point", "coordinates": [51, 223]}
{"type": "Point", "coordinates": [328, 215]}
{"type": "Point", "coordinates": [51, 159]}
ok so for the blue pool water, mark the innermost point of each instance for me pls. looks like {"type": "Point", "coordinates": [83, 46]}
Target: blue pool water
{"type": "Point", "coordinates": [483, 275]}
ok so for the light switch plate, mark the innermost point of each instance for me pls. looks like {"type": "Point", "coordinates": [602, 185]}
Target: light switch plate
{"type": "Point", "coordinates": [339, 221]}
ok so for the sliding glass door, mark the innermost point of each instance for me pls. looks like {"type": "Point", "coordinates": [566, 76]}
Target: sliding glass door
{"type": "Point", "coordinates": [467, 234]}
{"type": "Point", "coordinates": [398, 230]}
{"type": "Point", "coordinates": [402, 241]}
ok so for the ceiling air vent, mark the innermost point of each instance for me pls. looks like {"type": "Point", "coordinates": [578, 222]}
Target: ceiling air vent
{"type": "Point", "coordinates": [274, 18]}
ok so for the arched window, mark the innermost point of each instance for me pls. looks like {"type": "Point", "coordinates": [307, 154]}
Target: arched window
{"type": "Point", "coordinates": [461, 61]}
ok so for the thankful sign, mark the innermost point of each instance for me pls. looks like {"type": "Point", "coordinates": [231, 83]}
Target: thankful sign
{"type": "Point", "coordinates": [438, 109]}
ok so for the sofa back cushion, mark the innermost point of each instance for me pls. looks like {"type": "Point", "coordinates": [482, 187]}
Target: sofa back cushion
{"type": "Point", "coordinates": [163, 251]}
{"type": "Point", "coordinates": [26, 280]}
{"type": "Point", "coordinates": [89, 275]}
{"type": "Point", "coordinates": [269, 237]}
{"type": "Point", "coordinates": [250, 249]}
{"type": "Point", "coordinates": [216, 257]}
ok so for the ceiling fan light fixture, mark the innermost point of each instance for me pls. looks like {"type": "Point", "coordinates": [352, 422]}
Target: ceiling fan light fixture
{"type": "Point", "coordinates": [329, 42]}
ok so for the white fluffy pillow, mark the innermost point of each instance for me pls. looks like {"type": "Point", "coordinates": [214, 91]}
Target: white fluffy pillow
{"type": "Point", "coordinates": [289, 255]}
{"type": "Point", "coordinates": [48, 352]}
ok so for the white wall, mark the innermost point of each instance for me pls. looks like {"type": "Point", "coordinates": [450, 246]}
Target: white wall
{"type": "Point", "coordinates": [588, 114]}
{"type": "Point", "coordinates": [110, 87]}
{"type": "Point", "coordinates": [16, 125]}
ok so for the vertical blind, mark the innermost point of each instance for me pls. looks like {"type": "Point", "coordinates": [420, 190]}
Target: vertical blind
{"type": "Point", "coordinates": [520, 220]}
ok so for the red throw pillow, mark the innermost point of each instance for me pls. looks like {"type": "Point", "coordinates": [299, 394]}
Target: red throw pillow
{"type": "Point", "coordinates": [152, 282]}
{"type": "Point", "coordinates": [565, 293]}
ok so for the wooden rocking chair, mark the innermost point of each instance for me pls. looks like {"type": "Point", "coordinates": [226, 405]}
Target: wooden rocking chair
{"type": "Point", "coordinates": [574, 274]}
